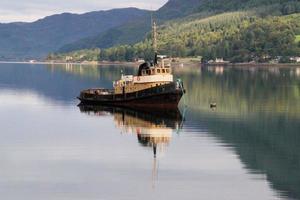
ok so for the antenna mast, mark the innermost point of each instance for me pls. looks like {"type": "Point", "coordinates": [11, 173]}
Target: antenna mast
{"type": "Point", "coordinates": [154, 32]}
{"type": "Point", "coordinates": [154, 38]}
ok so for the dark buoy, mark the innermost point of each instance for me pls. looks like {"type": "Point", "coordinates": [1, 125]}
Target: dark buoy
{"type": "Point", "coordinates": [213, 105]}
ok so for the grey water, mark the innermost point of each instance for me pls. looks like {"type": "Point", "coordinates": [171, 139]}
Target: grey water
{"type": "Point", "coordinates": [248, 147]}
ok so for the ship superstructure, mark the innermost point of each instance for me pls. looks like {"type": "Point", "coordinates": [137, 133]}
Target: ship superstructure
{"type": "Point", "coordinates": [152, 86]}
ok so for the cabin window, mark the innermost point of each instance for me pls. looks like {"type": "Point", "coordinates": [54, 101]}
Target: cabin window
{"type": "Point", "coordinates": [158, 70]}
{"type": "Point", "coordinates": [163, 71]}
{"type": "Point", "coordinates": [148, 72]}
{"type": "Point", "coordinates": [152, 71]}
{"type": "Point", "coordinates": [167, 70]}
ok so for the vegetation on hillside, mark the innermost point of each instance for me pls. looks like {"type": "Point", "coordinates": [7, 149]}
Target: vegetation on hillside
{"type": "Point", "coordinates": [233, 36]}
{"type": "Point", "coordinates": [286, 6]}
{"type": "Point", "coordinates": [134, 31]}
{"type": "Point", "coordinates": [78, 56]}
{"type": "Point", "coordinates": [297, 40]}
{"type": "Point", "coordinates": [262, 34]}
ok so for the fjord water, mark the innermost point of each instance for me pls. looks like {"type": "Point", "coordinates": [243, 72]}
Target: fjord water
{"type": "Point", "coordinates": [248, 147]}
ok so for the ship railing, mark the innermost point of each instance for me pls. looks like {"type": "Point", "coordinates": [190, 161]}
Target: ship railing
{"type": "Point", "coordinates": [99, 91]}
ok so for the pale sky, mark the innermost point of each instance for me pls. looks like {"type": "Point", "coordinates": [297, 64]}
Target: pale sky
{"type": "Point", "coordinates": [31, 10]}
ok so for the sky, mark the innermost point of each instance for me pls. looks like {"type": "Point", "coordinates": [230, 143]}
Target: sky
{"type": "Point", "coordinates": [31, 10]}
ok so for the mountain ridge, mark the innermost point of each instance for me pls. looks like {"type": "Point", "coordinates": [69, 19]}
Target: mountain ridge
{"type": "Point", "coordinates": [173, 9]}
{"type": "Point", "coordinates": [261, 34]}
{"type": "Point", "coordinates": [36, 39]}
{"type": "Point", "coordinates": [104, 29]}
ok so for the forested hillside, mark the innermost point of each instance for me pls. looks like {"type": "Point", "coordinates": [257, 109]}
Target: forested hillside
{"type": "Point", "coordinates": [236, 36]}
{"type": "Point", "coordinates": [231, 5]}
{"type": "Point", "coordinates": [253, 33]}
{"type": "Point", "coordinates": [135, 31]}
{"type": "Point", "coordinates": [208, 28]}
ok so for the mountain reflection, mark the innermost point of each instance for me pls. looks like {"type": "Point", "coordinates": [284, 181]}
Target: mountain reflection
{"type": "Point", "coordinates": [153, 128]}
{"type": "Point", "coordinates": [243, 91]}
{"type": "Point", "coordinates": [258, 112]}
{"type": "Point", "coordinates": [266, 144]}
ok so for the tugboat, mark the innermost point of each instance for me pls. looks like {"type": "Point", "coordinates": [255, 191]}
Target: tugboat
{"type": "Point", "coordinates": [153, 86]}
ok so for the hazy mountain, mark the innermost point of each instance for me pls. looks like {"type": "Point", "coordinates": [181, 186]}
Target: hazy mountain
{"type": "Point", "coordinates": [135, 31]}
{"type": "Point", "coordinates": [128, 33]}
{"type": "Point", "coordinates": [24, 40]}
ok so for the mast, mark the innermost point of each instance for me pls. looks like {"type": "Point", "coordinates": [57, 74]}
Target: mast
{"type": "Point", "coordinates": [154, 39]}
{"type": "Point", "coordinates": [154, 36]}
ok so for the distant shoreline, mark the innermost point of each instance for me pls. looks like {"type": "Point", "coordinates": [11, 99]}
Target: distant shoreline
{"type": "Point", "coordinates": [70, 63]}
{"type": "Point", "coordinates": [261, 65]}
{"type": "Point", "coordinates": [176, 64]}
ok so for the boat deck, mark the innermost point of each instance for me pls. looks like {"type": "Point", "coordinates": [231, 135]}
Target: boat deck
{"type": "Point", "coordinates": [168, 94]}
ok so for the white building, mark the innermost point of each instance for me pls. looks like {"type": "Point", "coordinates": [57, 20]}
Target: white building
{"type": "Point", "coordinates": [296, 59]}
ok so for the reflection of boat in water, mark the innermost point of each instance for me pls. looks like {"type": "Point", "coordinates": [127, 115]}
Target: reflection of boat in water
{"type": "Point", "coordinates": [153, 86]}
{"type": "Point", "coordinates": [153, 127]}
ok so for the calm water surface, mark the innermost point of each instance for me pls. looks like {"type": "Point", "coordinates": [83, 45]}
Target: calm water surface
{"type": "Point", "coordinates": [247, 148]}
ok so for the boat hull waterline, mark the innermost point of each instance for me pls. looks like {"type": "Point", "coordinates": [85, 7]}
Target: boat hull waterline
{"type": "Point", "coordinates": [165, 96]}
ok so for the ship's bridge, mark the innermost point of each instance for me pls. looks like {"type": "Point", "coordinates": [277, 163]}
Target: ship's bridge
{"type": "Point", "coordinates": [160, 72]}
{"type": "Point", "coordinates": [148, 76]}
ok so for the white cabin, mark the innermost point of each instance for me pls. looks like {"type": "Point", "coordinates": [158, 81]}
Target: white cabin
{"type": "Point", "coordinates": [148, 76]}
